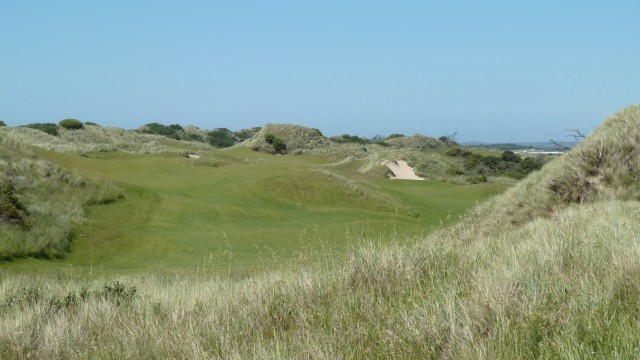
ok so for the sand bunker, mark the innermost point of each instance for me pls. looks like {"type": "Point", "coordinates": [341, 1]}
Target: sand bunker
{"type": "Point", "coordinates": [401, 170]}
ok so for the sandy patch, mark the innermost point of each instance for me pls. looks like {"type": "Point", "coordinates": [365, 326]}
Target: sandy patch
{"type": "Point", "coordinates": [194, 156]}
{"type": "Point", "coordinates": [401, 170]}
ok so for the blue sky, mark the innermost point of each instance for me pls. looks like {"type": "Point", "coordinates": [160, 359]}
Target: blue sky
{"type": "Point", "coordinates": [490, 70]}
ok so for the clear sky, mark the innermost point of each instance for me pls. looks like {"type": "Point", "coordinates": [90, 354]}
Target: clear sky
{"type": "Point", "coordinates": [490, 70]}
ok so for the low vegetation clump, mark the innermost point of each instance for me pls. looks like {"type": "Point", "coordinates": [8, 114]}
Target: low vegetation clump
{"type": "Point", "coordinates": [174, 131]}
{"type": "Point", "coordinates": [12, 211]}
{"type": "Point", "coordinates": [221, 138]}
{"type": "Point", "coordinates": [51, 129]}
{"type": "Point", "coordinates": [279, 147]}
{"type": "Point", "coordinates": [71, 124]}
{"type": "Point", "coordinates": [346, 138]}
{"type": "Point", "coordinates": [507, 164]}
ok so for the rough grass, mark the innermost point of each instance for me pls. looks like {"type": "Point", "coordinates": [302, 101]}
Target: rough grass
{"type": "Point", "coordinates": [604, 166]}
{"type": "Point", "coordinates": [549, 269]}
{"type": "Point", "coordinates": [563, 289]}
{"type": "Point", "coordinates": [52, 198]}
{"type": "Point", "coordinates": [92, 139]}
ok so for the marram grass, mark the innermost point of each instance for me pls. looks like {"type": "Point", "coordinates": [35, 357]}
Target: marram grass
{"type": "Point", "coordinates": [567, 286]}
{"type": "Point", "coordinates": [549, 269]}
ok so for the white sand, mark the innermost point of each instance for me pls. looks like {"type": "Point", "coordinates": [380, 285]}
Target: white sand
{"type": "Point", "coordinates": [401, 170]}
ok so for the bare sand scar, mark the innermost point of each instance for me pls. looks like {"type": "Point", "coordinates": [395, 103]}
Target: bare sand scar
{"type": "Point", "coordinates": [401, 170]}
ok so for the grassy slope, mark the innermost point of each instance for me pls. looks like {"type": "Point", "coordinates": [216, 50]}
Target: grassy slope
{"type": "Point", "coordinates": [549, 269]}
{"type": "Point", "coordinates": [52, 202]}
{"type": "Point", "coordinates": [252, 210]}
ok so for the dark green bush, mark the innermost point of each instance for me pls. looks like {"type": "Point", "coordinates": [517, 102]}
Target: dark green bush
{"type": "Point", "coordinates": [532, 163]}
{"type": "Point", "coordinates": [393, 136]}
{"type": "Point", "coordinates": [91, 123]}
{"type": "Point", "coordinates": [346, 138]}
{"type": "Point", "coordinates": [269, 138]}
{"type": "Point", "coordinates": [221, 138]}
{"type": "Point", "coordinates": [279, 145]}
{"type": "Point", "coordinates": [510, 156]}
{"type": "Point", "coordinates": [174, 131]}
{"type": "Point", "coordinates": [458, 152]}
{"type": "Point", "coordinates": [71, 124]}
{"type": "Point", "coordinates": [2, 123]}
{"type": "Point", "coordinates": [245, 134]}
{"type": "Point", "coordinates": [454, 171]}
{"type": "Point", "coordinates": [11, 210]}
{"type": "Point", "coordinates": [51, 129]}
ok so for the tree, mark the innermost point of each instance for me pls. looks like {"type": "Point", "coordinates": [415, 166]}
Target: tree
{"type": "Point", "coordinates": [2, 123]}
{"type": "Point", "coordinates": [575, 133]}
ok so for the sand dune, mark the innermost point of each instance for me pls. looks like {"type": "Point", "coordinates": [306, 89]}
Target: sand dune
{"type": "Point", "coordinates": [401, 170]}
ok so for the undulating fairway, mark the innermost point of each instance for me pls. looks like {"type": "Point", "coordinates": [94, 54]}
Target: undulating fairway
{"type": "Point", "coordinates": [243, 211]}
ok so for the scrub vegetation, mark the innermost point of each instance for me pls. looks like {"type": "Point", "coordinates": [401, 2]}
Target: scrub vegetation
{"type": "Point", "coordinates": [548, 269]}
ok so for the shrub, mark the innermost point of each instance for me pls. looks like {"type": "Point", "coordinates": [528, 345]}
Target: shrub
{"type": "Point", "coordinates": [91, 123]}
{"type": "Point", "coordinates": [11, 210]}
{"type": "Point", "coordinates": [51, 129]}
{"type": "Point", "coordinates": [173, 131]}
{"type": "Point", "coordinates": [454, 171]}
{"type": "Point", "coordinates": [71, 124]}
{"type": "Point", "coordinates": [221, 138]}
{"type": "Point", "coordinates": [510, 156]}
{"type": "Point", "coordinates": [2, 123]}
{"type": "Point", "coordinates": [269, 138]}
{"type": "Point", "coordinates": [532, 163]}
{"type": "Point", "coordinates": [245, 134]}
{"type": "Point", "coordinates": [346, 138]}
{"type": "Point", "coordinates": [458, 152]}
{"type": "Point", "coordinates": [279, 145]}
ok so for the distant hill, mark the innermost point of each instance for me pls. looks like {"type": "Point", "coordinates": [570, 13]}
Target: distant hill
{"type": "Point", "coordinates": [295, 137]}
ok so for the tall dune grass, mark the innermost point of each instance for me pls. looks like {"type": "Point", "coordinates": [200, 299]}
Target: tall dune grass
{"type": "Point", "coordinates": [54, 200]}
{"type": "Point", "coordinates": [557, 287]}
{"type": "Point", "coordinates": [547, 270]}
{"type": "Point", "coordinates": [92, 139]}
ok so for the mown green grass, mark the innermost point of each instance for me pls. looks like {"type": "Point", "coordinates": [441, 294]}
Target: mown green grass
{"type": "Point", "coordinates": [251, 213]}
{"type": "Point", "coordinates": [549, 269]}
